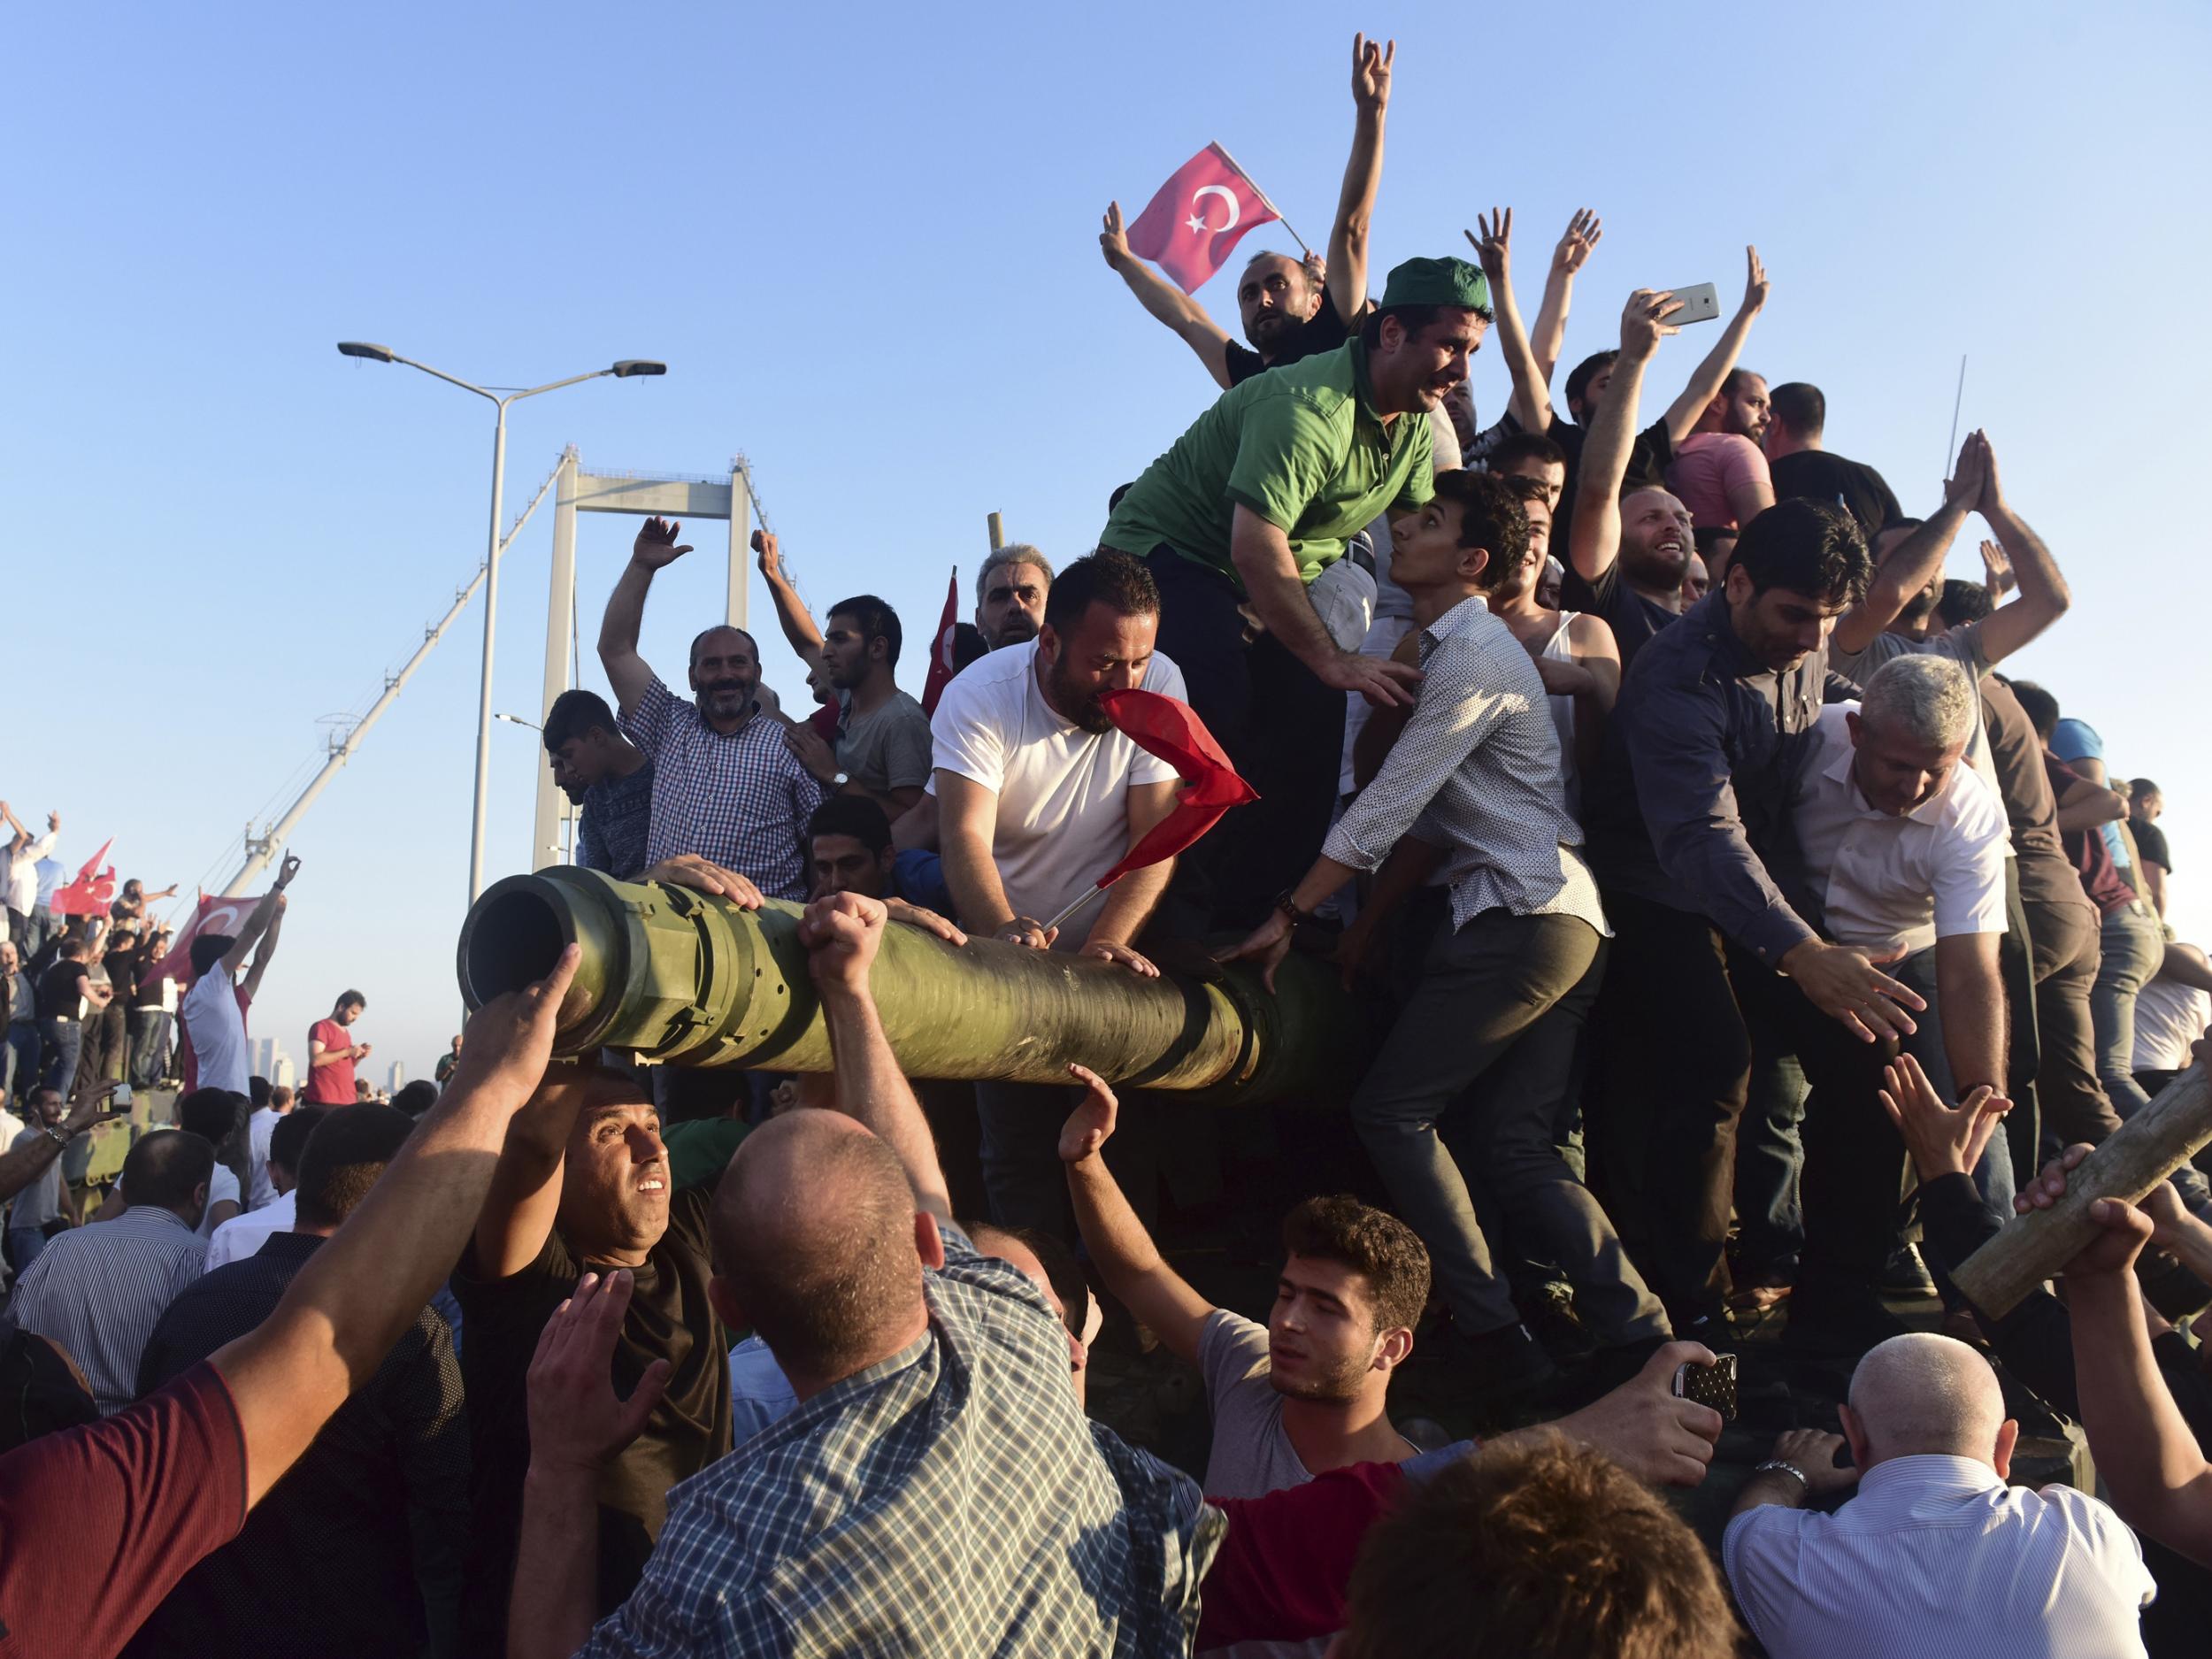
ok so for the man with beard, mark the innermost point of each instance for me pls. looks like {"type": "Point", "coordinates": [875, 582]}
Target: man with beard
{"type": "Point", "coordinates": [1239, 517]}
{"type": "Point", "coordinates": [1037, 796]}
{"type": "Point", "coordinates": [727, 786]}
{"type": "Point", "coordinates": [882, 748]}
{"type": "Point", "coordinates": [1627, 554]}
{"type": "Point", "coordinates": [1718, 470]}
{"type": "Point", "coordinates": [1009, 594]}
{"type": "Point", "coordinates": [1289, 313]}
{"type": "Point", "coordinates": [1691, 837]}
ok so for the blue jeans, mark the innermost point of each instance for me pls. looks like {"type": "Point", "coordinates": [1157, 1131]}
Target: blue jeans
{"type": "Point", "coordinates": [25, 1243]}
{"type": "Point", "coordinates": [64, 1042]}
{"type": "Point", "coordinates": [2133, 948]}
{"type": "Point", "coordinates": [150, 1046]}
{"type": "Point", "coordinates": [18, 1062]}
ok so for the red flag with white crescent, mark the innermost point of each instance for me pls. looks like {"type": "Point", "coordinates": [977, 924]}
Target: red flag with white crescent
{"type": "Point", "coordinates": [941, 667]}
{"type": "Point", "coordinates": [212, 916]}
{"type": "Point", "coordinates": [93, 890]}
{"type": "Point", "coordinates": [1192, 226]}
{"type": "Point", "coordinates": [1171, 730]}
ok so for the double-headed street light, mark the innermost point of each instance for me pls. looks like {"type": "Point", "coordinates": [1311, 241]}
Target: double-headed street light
{"type": "Point", "coordinates": [626, 369]}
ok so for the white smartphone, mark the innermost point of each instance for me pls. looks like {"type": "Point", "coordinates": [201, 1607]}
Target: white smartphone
{"type": "Point", "coordinates": [1700, 304]}
{"type": "Point", "coordinates": [122, 1095]}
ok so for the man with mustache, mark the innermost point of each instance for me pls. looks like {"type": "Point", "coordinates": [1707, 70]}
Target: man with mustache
{"type": "Point", "coordinates": [1253, 503]}
{"type": "Point", "coordinates": [727, 786]}
{"type": "Point", "coordinates": [1009, 594]}
{"type": "Point", "coordinates": [1037, 796]}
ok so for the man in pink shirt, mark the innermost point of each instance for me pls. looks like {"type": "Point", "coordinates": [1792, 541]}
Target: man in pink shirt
{"type": "Point", "coordinates": [1719, 471]}
{"type": "Point", "coordinates": [330, 1053]}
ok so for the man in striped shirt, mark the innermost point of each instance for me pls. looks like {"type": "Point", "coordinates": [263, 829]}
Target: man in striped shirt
{"type": "Point", "coordinates": [1471, 787]}
{"type": "Point", "coordinates": [98, 1290]}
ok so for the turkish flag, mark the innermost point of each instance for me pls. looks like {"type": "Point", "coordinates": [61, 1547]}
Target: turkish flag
{"type": "Point", "coordinates": [93, 890]}
{"type": "Point", "coordinates": [940, 665]}
{"type": "Point", "coordinates": [1162, 727]}
{"type": "Point", "coordinates": [212, 917]}
{"type": "Point", "coordinates": [1190, 228]}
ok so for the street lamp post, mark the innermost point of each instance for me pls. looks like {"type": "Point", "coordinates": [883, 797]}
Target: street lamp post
{"type": "Point", "coordinates": [622, 370]}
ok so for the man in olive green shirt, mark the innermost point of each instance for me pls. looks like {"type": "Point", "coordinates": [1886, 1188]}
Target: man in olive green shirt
{"type": "Point", "coordinates": [1253, 502]}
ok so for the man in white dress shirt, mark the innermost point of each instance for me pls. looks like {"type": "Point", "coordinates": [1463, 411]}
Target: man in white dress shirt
{"type": "Point", "coordinates": [1905, 847]}
{"type": "Point", "coordinates": [1936, 1554]}
{"type": "Point", "coordinates": [244, 1235]}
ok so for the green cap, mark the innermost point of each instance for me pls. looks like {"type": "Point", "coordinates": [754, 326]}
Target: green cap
{"type": "Point", "coordinates": [1446, 281]}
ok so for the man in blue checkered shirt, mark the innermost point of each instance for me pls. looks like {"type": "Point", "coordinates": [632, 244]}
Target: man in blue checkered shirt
{"type": "Point", "coordinates": [727, 786]}
{"type": "Point", "coordinates": [936, 1491]}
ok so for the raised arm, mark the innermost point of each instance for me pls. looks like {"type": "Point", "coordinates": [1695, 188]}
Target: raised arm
{"type": "Point", "coordinates": [792, 616]}
{"type": "Point", "coordinates": [2160, 1481]}
{"type": "Point", "coordinates": [265, 952]}
{"type": "Point", "coordinates": [2043, 598]}
{"type": "Point", "coordinates": [1584, 231]}
{"type": "Point", "coordinates": [21, 1165]}
{"type": "Point", "coordinates": [1531, 396]}
{"type": "Point", "coordinates": [654, 549]}
{"type": "Point", "coordinates": [1167, 304]}
{"type": "Point", "coordinates": [368, 1283]}
{"type": "Point", "coordinates": [1705, 382]}
{"type": "Point", "coordinates": [1363, 179]}
{"type": "Point", "coordinates": [842, 933]}
{"type": "Point", "coordinates": [1918, 559]}
{"type": "Point", "coordinates": [1596, 538]}
{"type": "Point", "coordinates": [1119, 1248]}
{"type": "Point", "coordinates": [262, 917]}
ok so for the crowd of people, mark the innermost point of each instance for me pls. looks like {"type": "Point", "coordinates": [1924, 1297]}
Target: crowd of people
{"type": "Point", "coordinates": [1748, 940]}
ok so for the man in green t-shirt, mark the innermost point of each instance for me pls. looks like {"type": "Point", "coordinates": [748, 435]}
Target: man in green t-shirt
{"type": "Point", "coordinates": [1263, 493]}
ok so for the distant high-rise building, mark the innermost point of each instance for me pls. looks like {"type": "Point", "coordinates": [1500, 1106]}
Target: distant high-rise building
{"type": "Point", "coordinates": [397, 1078]}
{"type": "Point", "coordinates": [283, 1074]}
{"type": "Point", "coordinates": [264, 1053]}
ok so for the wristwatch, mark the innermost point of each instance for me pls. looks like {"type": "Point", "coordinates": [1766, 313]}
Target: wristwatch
{"type": "Point", "coordinates": [841, 780]}
{"type": "Point", "coordinates": [1286, 902]}
{"type": "Point", "coordinates": [56, 1136]}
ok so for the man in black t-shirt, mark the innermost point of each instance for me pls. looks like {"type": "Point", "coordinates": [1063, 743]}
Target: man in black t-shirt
{"type": "Point", "coordinates": [2145, 806]}
{"type": "Point", "coordinates": [583, 1184]}
{"type": "Point", "coordinates": [1291, 310]}
{"type": "Point", "coordinates": [65, 990]}
{"type": "Point", "coordinates": [1628, 552]}
{"type": "Point", "coordinates": [1797, 416]}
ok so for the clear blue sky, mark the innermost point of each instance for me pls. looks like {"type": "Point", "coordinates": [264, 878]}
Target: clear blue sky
{"type": "Point", "coordinates": [867, 252]}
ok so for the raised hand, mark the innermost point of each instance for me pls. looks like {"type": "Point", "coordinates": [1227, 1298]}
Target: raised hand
{"type": "Point", "coordinates": [1644, 321]}
{"type": "Point", "coordinates": [842, 933]}
{"type": "Point", "coordinates": [1371, 72]}
{"type": "Point", "coordinates": [507, 1042]}
{"type": "Point", "coordinates": [1942, 1141]}
{"type": "Point", "coordinates": [577, 1423]}
{"type": "Point", "coordinates": [1993, 499]}
{"type": "Point", "coordinates": [287, 870]}
{"type": "Point", "coordinates": [1584, 231]}
{"type": "Point", "coordinates": [1996, 570]}
{"type": "Point", "coordinates": [770, 555]}
{"type": "Point", "coordinates": [1494, 247]}
{"type": "Point", "coordinates": [1970, 477]}
{"type": "Point", "coordinates": [1113, 237]}
{"type": "Point", "coordinates": [1091, 1124]}
{"type": "Point", "coordinates": [655, 546]}
{"type": "Point", "coordinates": [1754, 282]}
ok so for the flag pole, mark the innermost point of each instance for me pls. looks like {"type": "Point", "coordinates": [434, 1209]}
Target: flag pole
{"type": "Point", "coordinates": [1264, 197]}
{"type": "Point", "coordinates": [1075, 904]}
{"type": "Point", "coordinates": [1951, 453]}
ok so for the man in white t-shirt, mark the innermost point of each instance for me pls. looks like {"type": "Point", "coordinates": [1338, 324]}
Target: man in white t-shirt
{"type": "Point", "coordinates": [213, 1019]}
{"type": "Point", "coordinates": [1039, 794]}
{"type": "Point", "coordinates": [244, 1235]}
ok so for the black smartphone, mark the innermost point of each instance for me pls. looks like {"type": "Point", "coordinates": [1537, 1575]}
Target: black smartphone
{"type": "Point", "coordinates": [1713, 1385]}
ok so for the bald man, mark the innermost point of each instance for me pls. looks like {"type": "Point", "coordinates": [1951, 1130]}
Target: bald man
{"type": "Point", "coordinates": [1936, 1554]}
{"type": "Point", "coordinates": [936, 1489]}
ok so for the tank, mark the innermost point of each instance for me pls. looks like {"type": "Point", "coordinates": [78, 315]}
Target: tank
{"type": "Point", "coordinates": [680, 978]}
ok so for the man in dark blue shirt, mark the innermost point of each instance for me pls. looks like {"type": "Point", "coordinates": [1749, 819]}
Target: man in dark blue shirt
{"type": "Point", "coordinates": [609, 776]}
{"type": "Point", "coordinates": [1690, 833]}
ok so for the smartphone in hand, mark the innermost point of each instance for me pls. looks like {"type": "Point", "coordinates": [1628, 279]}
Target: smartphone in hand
{"type": "Point", "coordinates": [1700, 304]}
{"type": "Point", "coordinates": [1713, 1385]}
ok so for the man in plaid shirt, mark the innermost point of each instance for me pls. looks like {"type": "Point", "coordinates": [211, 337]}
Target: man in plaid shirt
{"type": "Point", "coordinates": [725, 784]}
{"type": "Point", "coordinates": [936, 1491]}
